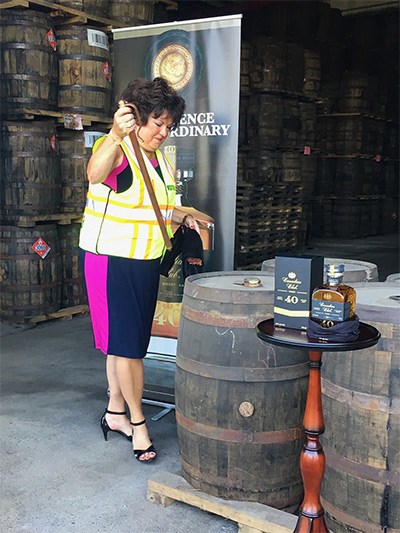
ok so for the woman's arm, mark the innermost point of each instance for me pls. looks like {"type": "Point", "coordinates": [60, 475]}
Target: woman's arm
{"type": "Point", "coordinates": [109, 154]}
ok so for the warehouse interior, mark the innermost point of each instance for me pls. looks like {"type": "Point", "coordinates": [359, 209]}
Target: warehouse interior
{"type": "Point", "coordinates": [318, 172]}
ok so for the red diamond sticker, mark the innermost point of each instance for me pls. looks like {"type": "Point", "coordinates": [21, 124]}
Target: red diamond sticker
{"type": "Point", "coordinates": [106, 70]}
{"type": "Point", "coordinates": [41, 247]}
{"type": "Point", "coordinates": [51, 39]}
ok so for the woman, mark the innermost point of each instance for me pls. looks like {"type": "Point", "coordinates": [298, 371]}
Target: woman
{"type": "Point", "coordinates": [122, 245]}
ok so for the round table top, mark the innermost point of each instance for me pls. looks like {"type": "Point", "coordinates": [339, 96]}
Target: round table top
{"type": "Point", "coordinates": [296, 338]}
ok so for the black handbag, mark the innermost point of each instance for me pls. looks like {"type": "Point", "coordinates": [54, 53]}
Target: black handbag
{"type": "Point", "coordinates": [187, 242]}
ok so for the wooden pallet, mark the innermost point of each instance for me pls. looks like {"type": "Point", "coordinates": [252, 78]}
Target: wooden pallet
{"type": "Point", "coordinates": [29, 221]}
{"type": "Point", "coordinates": [251, 517]}
{"type": "Point", "coordinates": [61, 117]}
{"type": "Point", "coordinates": [66, 313]}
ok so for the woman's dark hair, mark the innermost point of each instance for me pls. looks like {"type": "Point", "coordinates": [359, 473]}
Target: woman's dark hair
{"type": "Point", "coordinates": [154, 97]}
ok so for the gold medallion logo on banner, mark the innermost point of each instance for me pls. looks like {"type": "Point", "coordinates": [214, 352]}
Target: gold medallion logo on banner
{"type": "Point", "coordinates": [174, 63]}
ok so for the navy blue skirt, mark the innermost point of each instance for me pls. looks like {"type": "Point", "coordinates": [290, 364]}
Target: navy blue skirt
{"type": "Point", "coordinates": [122, 295]}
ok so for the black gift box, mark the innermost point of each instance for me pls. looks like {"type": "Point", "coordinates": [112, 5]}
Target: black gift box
{"type": "Point", "coordinates": [296, 276]}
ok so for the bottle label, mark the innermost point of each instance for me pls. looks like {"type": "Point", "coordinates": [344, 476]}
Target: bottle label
{"type": "Point", "coordinates": [330, 311]}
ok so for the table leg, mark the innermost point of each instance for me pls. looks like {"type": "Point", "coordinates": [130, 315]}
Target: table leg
{"type": "Point", "coordinates": [312, 458]}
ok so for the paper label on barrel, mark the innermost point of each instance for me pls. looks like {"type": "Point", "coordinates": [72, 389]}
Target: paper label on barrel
{"type": "Point", "coordinates": [97, 38]}
{"type": "Point", "coordinates": [73, 121]}
{"type": "Point", "coordinates": [41, 247]}
{"type": "Point", "coordinates": [91, 137]}
{"type": "Point", "coordinates": [51, 39]}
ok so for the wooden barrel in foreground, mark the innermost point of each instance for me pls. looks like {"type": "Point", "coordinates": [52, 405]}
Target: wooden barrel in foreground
{"type": "Point", "coordinates": [361, 401]}
{"type": "Point", "coordinates": [239, 401]}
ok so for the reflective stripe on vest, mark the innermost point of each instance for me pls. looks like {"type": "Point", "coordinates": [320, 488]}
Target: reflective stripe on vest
{"type": "Point", "coordinates": [124, 224]}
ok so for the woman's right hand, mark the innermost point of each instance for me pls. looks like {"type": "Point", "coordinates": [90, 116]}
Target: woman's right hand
{"type": "Point", "coordinates": [124, 122]}
{"type": "Point", "coordinates": [109, 154]}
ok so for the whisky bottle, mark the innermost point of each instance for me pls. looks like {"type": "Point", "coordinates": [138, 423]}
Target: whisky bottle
{"type": "Point", "coordinates": [333, 302]}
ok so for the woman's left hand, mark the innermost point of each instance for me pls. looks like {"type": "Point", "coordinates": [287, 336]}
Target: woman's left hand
{"type": "Point", "coordinates": [191, 222]}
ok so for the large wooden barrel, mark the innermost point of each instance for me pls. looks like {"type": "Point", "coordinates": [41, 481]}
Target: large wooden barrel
{"type": "Point", "coordinates": [29, 77]}
{"type": "Point", "coordinates": [239, 402]}
{"type": "Point", "coordinates": [75, 151]}
{"type": "Point", "coordinates": [30, 168]}
{"type": "Point", "coordinates": [134, 13]}
{"type": "Point", "coordinates": [85, 71]}
{"type": "Point", "coordinates": [361, 401]}
{"type": "Point", "coordinates": [30, 284]}
{"type": "Point", "coordinates": [357, 92]}
{"type": "Point", "coordinates": [268, 64]}
{"type": "Point", "coordinates": [72, 287]}
{"type": "Point", "coordinates": [354, 271]}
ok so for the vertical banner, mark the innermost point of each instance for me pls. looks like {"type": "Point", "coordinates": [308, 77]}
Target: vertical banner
{"type": "Point", "coordinates": [201, 60]}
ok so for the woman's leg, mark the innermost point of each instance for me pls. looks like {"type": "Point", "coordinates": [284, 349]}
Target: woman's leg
{"type": "Point", "coordinates": [130, 377]}
{"type": "Point", "coordinates": [116, 401]}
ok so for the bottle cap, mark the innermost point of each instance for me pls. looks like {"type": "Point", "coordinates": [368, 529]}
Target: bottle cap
{"type": "Point", "coordinates": [334, 269]}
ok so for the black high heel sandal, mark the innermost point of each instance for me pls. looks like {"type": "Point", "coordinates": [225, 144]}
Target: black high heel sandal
{"type": "Point", "coordinates": [138, 453]}
{"type": "Point", "coordinates": [106, 428]}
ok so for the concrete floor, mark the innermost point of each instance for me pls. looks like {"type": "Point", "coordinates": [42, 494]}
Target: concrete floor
{"type": "Point", "coordinates": [58, 475]}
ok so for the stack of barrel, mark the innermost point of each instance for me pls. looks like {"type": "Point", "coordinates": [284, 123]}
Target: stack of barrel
{"type": "Point", "coordinates": [50, 71]}
{"type": "Point", "coordinates": [277, 163]}
{"type": "Point", "coordinates": [356, 189]}
{"type": "Point", "coordinates": [44, 168]}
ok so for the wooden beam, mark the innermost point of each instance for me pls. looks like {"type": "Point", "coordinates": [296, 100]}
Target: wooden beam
{"type": "Point", "coordinates": [251, 516]}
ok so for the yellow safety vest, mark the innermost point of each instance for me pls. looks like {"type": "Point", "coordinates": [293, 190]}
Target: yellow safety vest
{"type": "Point", "coordinates": [124, 224]}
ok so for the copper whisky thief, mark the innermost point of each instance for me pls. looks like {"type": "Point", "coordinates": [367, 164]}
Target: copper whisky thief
{"type": "Point", "coordinates": [295, 278]}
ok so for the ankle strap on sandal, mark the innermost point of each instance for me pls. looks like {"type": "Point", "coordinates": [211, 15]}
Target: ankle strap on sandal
{"type": "Point", "coordinates": [138, 423]}
{"type": "Point", "coordinates": [115, 412]}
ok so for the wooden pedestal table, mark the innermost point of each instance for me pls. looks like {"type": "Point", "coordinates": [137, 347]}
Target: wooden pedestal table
{"type": "Point", "coordinates": [312, 459]}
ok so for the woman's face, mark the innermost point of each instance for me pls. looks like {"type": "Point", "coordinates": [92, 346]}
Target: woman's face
{"type": "Point", "coordinates": [155, 132]}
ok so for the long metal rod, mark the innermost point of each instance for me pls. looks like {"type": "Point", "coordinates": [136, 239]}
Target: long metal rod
{"type": "Point", "coordinates": [168, 408]}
